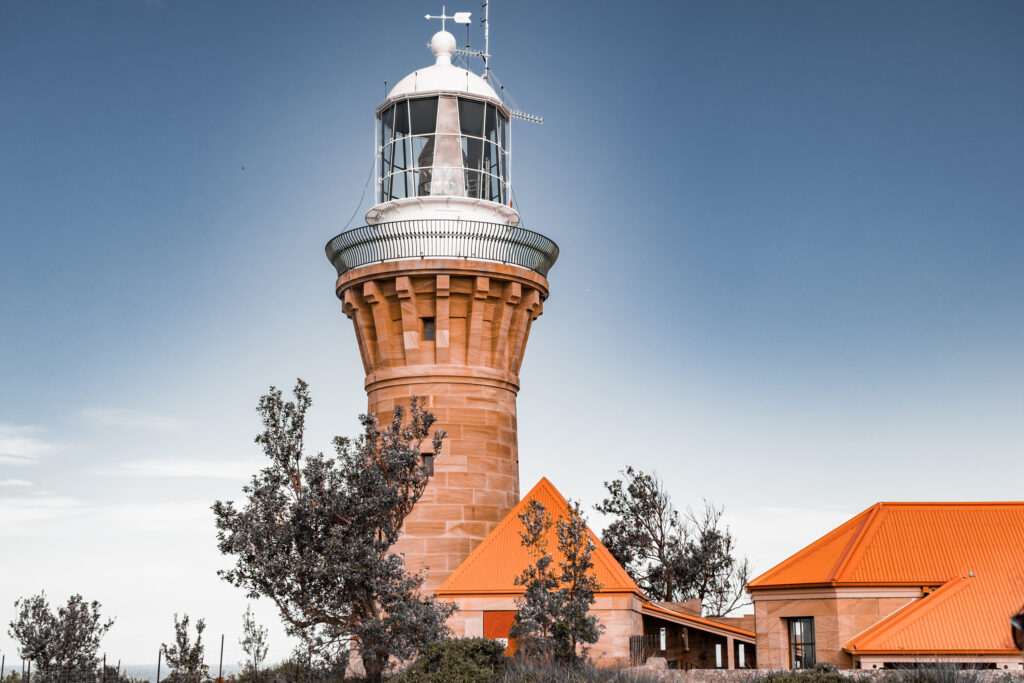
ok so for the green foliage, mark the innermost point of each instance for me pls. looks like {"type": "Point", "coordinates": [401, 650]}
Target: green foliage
{"type": "Point", "coordinates": [672, 557]}
{"type": "Point", "coordinates": [66, 639]}
{"type": "Point", "coordinates": [553, 615]}
{"type": "Point", "coordinates": [315, 535]}
{"type": "Point", "coordinates": [185, 658]}
{"type": "Point", "coordinates": [461, 660]}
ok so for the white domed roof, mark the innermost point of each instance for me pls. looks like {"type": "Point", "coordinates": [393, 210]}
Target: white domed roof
{"type": "Point", "coordinates": [443, 75]}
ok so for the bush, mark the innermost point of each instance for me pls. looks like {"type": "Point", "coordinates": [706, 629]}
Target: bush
{"type": "Point", "coordinates": [821, 673]}
{"type": "Point", "coordinates": [534, 670]}
{"type": "Point", "coordinates": [460, 660]}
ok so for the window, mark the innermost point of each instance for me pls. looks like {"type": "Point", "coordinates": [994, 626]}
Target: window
{"type": "Point", "coordinates": [663, 638]}
{"type": "Point", "coordinates": [718, 655]}
{"type": "Point", "coordinates": [428, 464]}
{"type": "Point", "coordinates": [443, 146]}
{"type": "Point", "coordinates": [801, 643]}
{"type": "Point", "coordinates": [428, 329]}
{"type": "Point", "coordinates": [741, 656]}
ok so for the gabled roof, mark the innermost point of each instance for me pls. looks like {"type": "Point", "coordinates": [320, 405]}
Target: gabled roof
{"type": "Point", "coordinates": [658, 611]}
{"type": "Point", "coordinates": [966, 615]}
{"type": "Point", "coordinates": [972, 552]}
{"type": "Point", "coordinates": [492, 567]}
{"type": "Point", "coordinates": [908, 544]}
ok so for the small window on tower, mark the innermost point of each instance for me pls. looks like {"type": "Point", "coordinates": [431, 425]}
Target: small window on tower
{"type": "Point", "coordinates": [428, 329]}
{"type": "Point", "coordinates": [428, 464]}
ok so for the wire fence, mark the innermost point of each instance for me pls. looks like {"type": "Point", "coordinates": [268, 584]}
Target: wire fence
{"type": "Point", "coordinates": [286, 672]}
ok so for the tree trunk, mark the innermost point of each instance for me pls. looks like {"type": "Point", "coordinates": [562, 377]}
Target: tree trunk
{"type": "Point", "coordinates": [373, 667]}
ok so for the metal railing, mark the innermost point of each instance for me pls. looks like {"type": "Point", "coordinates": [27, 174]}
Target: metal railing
{"type": "Point", "coordinates": [441, 238]}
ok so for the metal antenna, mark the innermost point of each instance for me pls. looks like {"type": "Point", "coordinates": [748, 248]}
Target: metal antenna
{"type": "Point", "coordinates": [487, 35]}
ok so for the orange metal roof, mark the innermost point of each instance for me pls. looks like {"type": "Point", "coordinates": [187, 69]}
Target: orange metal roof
{"type": "Point", "coordinates": [908, 544]}
{"type": "Point", "coordinates": [966, 615]}
{"type": "Point", "coordinates": [493, 566]}
{"type": "Point", "coordinates": [699, 622]}
{"type": "Point", "coordinates": [974, 551]}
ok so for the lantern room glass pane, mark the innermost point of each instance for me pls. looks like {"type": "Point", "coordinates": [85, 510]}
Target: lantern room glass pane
{"type": "Point", "coordinates": [423, 151]}
{"type": "Point", "coordinates": [401, 119]}
{"type": "Point", "coordinates": [423, 114]}
{"type": "Point", "coordinates": [387, 125]}
{"type": "Point", "coordinates": [491, 124]}
{"type": "Point", "coordinates": [471, 118]}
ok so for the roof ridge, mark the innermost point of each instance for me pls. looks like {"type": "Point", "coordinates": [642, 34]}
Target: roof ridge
{"type": "Point", "coordinates": [867, 529]}
{"type": "Point", "coordinates": [950, 503]}
{"type": "Point", "coordinates": [617, 579]}
{"type": "Point", "coordinates": [802, 553]}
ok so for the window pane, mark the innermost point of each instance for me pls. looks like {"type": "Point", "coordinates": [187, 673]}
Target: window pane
{"type": "Point", "coordinates": [424, 115]}
{"type": "Point", "coordinates": [471, 118]}
{"type": "Point", "coordinates": [473, 153]}
{"type": "Point", "coordinates": [474, 184]}
{"type": "Point", "coordinates": [495, 189]}
{"type": "Point", "coordinates": [387, 124]}
{"type": "Point", "coordinates": [423, 151]}
{"type": "Point", "coordinates": [401, 119]}
{"type": "Point", "coordinates": [491, 124]}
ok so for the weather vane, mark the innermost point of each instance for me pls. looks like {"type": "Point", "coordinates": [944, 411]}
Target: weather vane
{"type": "Point", "coordinates": [458, 17]}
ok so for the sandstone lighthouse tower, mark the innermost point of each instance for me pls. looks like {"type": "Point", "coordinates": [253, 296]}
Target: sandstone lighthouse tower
{"type": "Point", "coordinates": [442, 285]}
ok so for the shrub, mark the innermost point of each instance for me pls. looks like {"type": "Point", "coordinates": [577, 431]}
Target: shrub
{"type": "Point", "coordinates": [549, 670]}
{"type": "Point", "coordinates": [821, 673]}
{"type": "Point", "coordinates": [460, 660]}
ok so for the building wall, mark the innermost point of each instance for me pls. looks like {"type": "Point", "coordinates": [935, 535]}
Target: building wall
{"type": "Point", "coordinates": [619, 615]}
{"type": "Point", "coordinates": [838, 616]}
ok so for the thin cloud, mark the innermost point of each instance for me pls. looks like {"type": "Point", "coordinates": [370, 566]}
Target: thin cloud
{"type": "Point", "coordinates": [133, 419]}
{"type": "Point", "coordinates": [20, 445]}
{"type": "Point", "coordinates": [15, 483]}
{"type": "Point", "coordinates": [200, 469]}
{"type": "Point", "coordinates": [18, 515]}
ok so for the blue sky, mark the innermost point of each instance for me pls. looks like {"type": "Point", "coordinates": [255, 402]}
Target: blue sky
{"type": "Point", "coordinates": [790, 278]}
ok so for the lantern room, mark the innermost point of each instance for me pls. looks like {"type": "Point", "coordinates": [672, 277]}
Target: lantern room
{"type": "Point", "coordinates": [442, 145]}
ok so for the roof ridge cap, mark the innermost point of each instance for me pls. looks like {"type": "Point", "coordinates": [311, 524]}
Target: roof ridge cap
{"type": "Point", "coordinates": [867, 530]}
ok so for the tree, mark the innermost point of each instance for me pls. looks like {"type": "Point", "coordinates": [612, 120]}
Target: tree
{"type": "Point", "coordinates": [185, 658]}
{"type": "Point", "coordinates": [315, 535]}
{"type": "Point", "coordinates": [646, 535]}
{"type": "Point", "coordinates": [709, 569]}
{"type": "Point", "coordinates": [672, 558]}
{"type": "Point", "coordinates": [253, 641]}
{"type": "Point", "coordinates": [553, 615]}
{"type": "Point", "coordinates": [66, 640]}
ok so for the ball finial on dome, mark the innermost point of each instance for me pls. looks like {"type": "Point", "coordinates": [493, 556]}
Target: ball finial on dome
{"type": "Point", "coordinates": [443, 46]}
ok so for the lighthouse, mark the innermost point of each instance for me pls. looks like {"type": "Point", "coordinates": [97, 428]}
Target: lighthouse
{"type": "Point", "coordinates": [443, 285]}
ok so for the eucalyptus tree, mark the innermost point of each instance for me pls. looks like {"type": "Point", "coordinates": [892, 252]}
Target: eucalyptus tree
{"type": "Point", "coordinates": [315, 533]}
{"type": "Point", "coordinates": [672, 557]}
